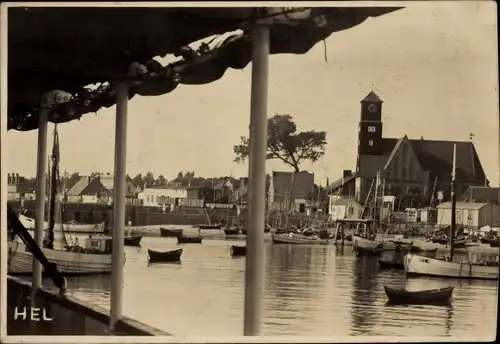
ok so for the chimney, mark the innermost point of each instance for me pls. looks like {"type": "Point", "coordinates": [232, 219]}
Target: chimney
{"type": "Point", "coordinates": [346, 173]}
{"type": "Point", "coordinates": [8, 179]}
{"type": "Point", "coordinates": [17, 179]}
{"type": "Point", "coordinates": [421, 137]}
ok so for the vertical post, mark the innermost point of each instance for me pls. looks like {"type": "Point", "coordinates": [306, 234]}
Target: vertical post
{"type": "Point", "coordinates": [453, 203]}
{"type": "Point", "coordinates": [119, 203]}
{"type": "Point", "coordinates": [41, 182]}
{"type": "Point", "coordinates": [254, 265]}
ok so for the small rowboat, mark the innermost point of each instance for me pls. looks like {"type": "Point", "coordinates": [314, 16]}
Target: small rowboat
{"type": "Point", "coordinates": [133, 241]}
{"type": "Point", "coordinates": [433, 296]}
{"type": "Point", "coordinates": [387, 264]}
{"type": "Point", "coordinates": [420, 249]}
{"type": "Point", "coordinates": [232, 231]}
{"type": "Point", "coordinates": [170, 233]}
{"type": "Point", "coordinates": [238, 251]}
{"type": "Point", "coordinates": [494, 242]}
{"type": "Point", "coordinates": [181, 239]}
{"type": "Point", "coordinates": [214, 226]}
{"type": "Point", "coordinates": [164, 257]}
{"type": "Point", "coordinates": [297, 239]}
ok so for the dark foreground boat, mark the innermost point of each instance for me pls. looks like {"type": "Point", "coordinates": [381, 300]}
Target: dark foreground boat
{"type": "Point", "coordinates": [494, 242]}
{"type": "Point", "coordinates": [433, 296]}
{"type": "Point", "coordinates": [181, 239]}
{"type": "Point", "coordinates": [388, 264]}
{"type": "Point", "coordinates": [164, 257]}
{"type": "Point", "coordinates": [170, 233]}
{"type": "Point", "coordinates": [214, 226]}
{"type": "Point", "coordinates": [133, 240]}
{"type": "Point", "coordinates": [238, 251]}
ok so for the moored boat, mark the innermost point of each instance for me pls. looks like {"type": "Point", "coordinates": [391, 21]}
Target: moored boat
{"type": "Point", "coordinates": [389, 264]}
{"type": "Point", "coordinates": [238, 250]}
{"type": "Point", "coordinates": [170, 233]}
{"type": "Point", "coordinates": [297, 239]}
{"type": "Point", "coordinates": [421, 249]}
{"type": "Point", "coordinates": [133, 240]}
{"type": "Point", "coordinates": [72, 226]}
{"type": "Point", "coordinates": [232, 231]}
{"type": "Point", "coordinates": [432, 296]}
{"type": "Point", "coordinates": [416, 265]}
{"type": "Point", "coordinates": [164, 257]}
{"type": "Point", "coordinates": [212, 226]}
{"type": "Point", "coordinates": [494, 242]}
{"type": "Point", "coordinates": [181, 239]}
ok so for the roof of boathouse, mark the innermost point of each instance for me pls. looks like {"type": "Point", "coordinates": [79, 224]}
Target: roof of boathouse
{"type": "Point", "coordinates": [69, 48]}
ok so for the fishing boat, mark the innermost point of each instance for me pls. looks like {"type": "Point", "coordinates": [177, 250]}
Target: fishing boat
{"type": "Point", "coordinates": [93, 258]}
{"type": "Point", "coordinates": [389, 264]}
{"type": "Point", "coordinates": [293, 238]}
{"type": "Point", "coordinates": [71, 226]}
{"type": "Point", "coordinates": [416, 265]}
{"type": "Point", "coordinates": [133, 240]}
{"type": "Point", "coordinates": [432, 296]}
{"type": "Point", "coordinates": [182, 239]}
{"type": "Point", "coordinates": [238, 250]}
{"type": "Point", "coordinates": [170, 233]}
{"type": "Point", "coordinates": [164, 257]}
{"type": "Point", "coordinates": [211, 226]}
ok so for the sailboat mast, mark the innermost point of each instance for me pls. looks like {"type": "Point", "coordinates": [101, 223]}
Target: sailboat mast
{"type": "Point", "coordinates": [453, 203]}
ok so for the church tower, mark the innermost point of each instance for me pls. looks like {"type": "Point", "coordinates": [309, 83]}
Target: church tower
{"type": "Point", "coordinates": [370, 126]}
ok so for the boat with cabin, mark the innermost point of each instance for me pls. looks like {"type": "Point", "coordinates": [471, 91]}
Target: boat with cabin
{"type": "Point", "coordinates": [416, 265]}
{"type": "Point", "coordinates": [71, 226]}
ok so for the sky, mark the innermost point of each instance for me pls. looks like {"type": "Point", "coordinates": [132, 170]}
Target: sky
{"type": "Point", "coordinates": [434, 64]}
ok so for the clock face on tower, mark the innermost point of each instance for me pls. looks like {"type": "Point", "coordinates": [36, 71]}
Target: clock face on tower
{"type": "Point", "coordinates": [372, 108]}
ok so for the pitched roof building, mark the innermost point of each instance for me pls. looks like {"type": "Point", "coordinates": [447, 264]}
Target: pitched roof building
{"type": "Point", "coordinates": [404, 163]}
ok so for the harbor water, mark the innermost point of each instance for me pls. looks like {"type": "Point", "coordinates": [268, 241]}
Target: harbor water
{"type": "Point", "coordinates": [309, 291]}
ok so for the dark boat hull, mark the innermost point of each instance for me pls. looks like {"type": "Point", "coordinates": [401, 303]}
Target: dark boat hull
{"type": "Point", "coordinates": [164, 257]}
{"type": "Point", "coordinates": [189, 240]}
{"type": "Point", "coordinates": [217, 226]}
{"type": "Point", "coordinates": [434, 296]}
{"type": "Point", "coordinates": [238, 251]}
{"type": "Point", "coordinates": [391, 265]}
{"type": "Point", "coordinates": [133, 241]}
{"type": "Point", "coordinates": [417, 249]}
{"type": "Point", "coordinates": [494, 242]}
{"type": "Point", "coordinates": [170, 233]}
{"type": "Point", "coordinates": [232, 231]}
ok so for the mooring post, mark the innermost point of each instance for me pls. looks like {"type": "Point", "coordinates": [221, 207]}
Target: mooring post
{"type": "Point", "coordinates": [41, 182]}
{"type": "Point", "coordinates": [120, 173]}
{"type": "Point", "coordinates": [254, 265]}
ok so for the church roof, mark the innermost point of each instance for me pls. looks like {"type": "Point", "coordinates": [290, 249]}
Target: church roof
{"type": "Point", "coordinates": [434, 156]}
{"type": "Point", "coordinates": [372, 97]}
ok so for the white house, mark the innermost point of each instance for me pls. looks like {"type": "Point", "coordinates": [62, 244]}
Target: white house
{"type": "Point", "coordinates": [473, 215]}
{"type": "Point", "coordinates": [162, 194]}
{"type": "Point", "coordinates": [343, 208]}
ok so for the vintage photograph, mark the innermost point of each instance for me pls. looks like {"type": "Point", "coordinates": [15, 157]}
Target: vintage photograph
{"type": "Point", "coordinates": [202, 171]}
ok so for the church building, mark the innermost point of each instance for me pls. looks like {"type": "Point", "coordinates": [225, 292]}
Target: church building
{"type": "Point", "coordinates": [406, 166]}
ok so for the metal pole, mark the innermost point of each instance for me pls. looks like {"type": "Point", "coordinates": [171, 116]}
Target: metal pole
{"type": "Point", "coordinates": [41, 182]}
{"type": "Point", "coordinates": [119, 203]}
{"type": "Point", "coordinates": [254, 269]}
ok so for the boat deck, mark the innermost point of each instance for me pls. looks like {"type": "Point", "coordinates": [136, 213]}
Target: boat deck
{"type": "Point", "coordinates": [51, 315]}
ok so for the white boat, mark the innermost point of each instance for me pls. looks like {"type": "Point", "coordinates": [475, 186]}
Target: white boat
{"type": "Point", "coordinates": [416, 265]}
{"type": "Point", "coordinates": [297, 239]}
{"type": "Point", "coordinates": [73, 227]}
{"type": "Point", "coordinates": [20, 261]}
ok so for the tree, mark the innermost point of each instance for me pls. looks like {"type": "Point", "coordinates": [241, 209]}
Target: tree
{"type": "Point", "coordinates": [137, 180]}
{"type": "Point", "coordinates": [180, 175]}
{"type": "Point", "coordinates": [149, 179]}
{"type": "Point", "coordinates": [285, 143]}
{"type": "Point", "coordinates": [161, 180]}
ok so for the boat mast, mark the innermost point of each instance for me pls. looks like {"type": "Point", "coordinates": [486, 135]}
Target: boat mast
{"type": "Point", "coordinates": [53, 190]}
{"type": "Point", "coordinates": [453, 203]}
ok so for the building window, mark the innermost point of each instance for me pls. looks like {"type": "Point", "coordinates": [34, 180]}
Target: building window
{"type": "Point", "coordinates": [372, 129]}
{"type": "Point", "coordinates": [370, 142]}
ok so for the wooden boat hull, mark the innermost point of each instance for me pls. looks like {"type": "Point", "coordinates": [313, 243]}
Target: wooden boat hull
{"type": "Point", "coordinates": [384, 264]}
{"type": "Point", "coordinates": [434, 296]}
{"type": "Point", "coordinates": [170, 233]}
{"type": "Point", "coordinates": [238, 251]}
{"type": "Point", "coordinates": [375, 245]}
{"type": "Point", "coordinates": [133, 240]}
{"type": "Point", "coordinates": [285, 239]}
{"type": "Point", "coordinates": [189, 240]}
{"type": "Point", "coordinates": [494, 243]}
{"type": "Point", "coordinates": [416, 265]}
{"type": "Point", "coordinates": [20, 261]}
{"type": "Point", "coordinates": [232, 231]}
{"type": "Point", "coordinates": [164, 257]}
{"type": "Point", "coordinates": [215, 226]}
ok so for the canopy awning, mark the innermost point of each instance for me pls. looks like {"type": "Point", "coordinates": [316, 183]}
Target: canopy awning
{"type": "Point", "coordinates": [69, 48]}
